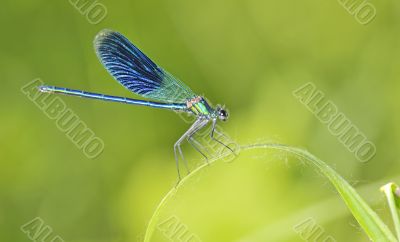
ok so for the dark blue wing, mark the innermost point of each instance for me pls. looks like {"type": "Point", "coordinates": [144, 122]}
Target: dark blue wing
{"type": "Point", "coordinates": [134, 70]}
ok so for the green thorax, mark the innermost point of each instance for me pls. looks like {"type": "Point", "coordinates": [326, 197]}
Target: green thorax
{"type": "Point", "coordinates": [200, 107]}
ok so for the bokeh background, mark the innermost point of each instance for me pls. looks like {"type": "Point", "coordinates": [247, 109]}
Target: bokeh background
{"type": "Point", "coordinates": [248, 55]}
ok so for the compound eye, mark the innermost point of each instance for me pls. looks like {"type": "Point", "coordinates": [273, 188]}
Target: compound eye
{"type": "Point", "coordinates": [223, 114]}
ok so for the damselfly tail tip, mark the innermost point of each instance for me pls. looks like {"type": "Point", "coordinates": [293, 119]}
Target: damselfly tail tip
{"type": "Point", "coordinates": [44, 89]}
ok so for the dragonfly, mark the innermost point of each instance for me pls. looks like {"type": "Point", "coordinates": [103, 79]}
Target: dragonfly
{"type": "Point", "coordinates": [139, 74]}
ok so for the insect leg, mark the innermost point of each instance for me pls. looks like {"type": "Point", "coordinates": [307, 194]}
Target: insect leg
{"type": "Point", "coordinates": [198, 124]}
{"type": "Point", "coordinates": [215, 139]}
{"type": "Point", "coordinates": [196, 145]}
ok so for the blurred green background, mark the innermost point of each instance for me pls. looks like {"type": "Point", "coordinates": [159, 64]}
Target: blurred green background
{"type": "Point", "coordinates": [248, 55]}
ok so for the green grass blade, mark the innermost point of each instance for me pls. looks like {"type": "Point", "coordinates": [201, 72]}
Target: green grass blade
{"type": "Point", "coordinates": [366, 217]}
{"type": "Point", "coordinates": [392, 193]}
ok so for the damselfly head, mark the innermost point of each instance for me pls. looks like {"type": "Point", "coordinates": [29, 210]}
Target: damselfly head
{"type": "Point", "coordinates": [222, 113]}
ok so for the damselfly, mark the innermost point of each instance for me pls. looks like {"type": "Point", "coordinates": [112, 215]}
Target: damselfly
{"type": "Point", "coordinates": [135, 71]}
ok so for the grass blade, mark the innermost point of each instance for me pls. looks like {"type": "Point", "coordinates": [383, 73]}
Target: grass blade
{"type": "Point", "coordinates": [366, 217]}
{"type": "Point", "coordinates": [392, 193]}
